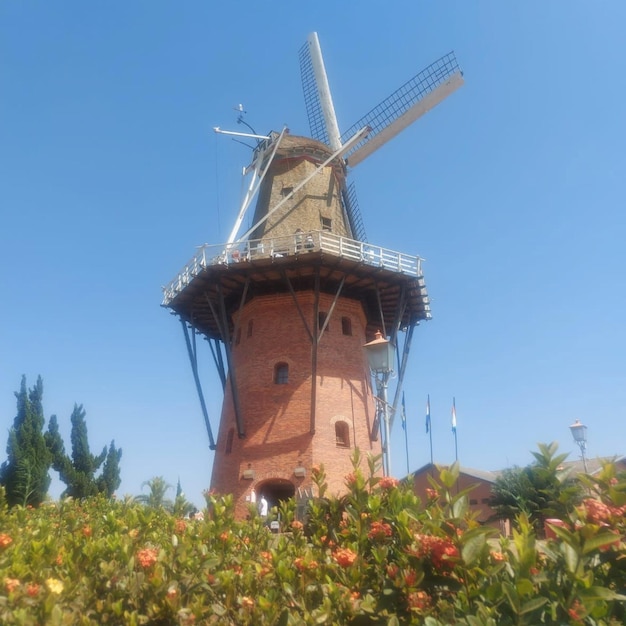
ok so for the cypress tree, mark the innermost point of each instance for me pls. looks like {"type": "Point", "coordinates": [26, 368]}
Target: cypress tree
{"type": "Point", "coordinates": [79, 472]}
{"type": "Point", "coordinates": [110, 478]}
{"type": "Point", "coordinates": [25, 472]}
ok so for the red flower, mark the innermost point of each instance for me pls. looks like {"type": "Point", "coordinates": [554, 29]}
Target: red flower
{"type": "Point", "coordinates": [5, 540]}
{"type": "Point", "coordinates": [180, 525]}
{"type": "Point", "coordinates": [577, 612]}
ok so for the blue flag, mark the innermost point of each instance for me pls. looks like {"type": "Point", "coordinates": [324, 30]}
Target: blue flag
{"type": "Point", "coordinates": [453, 416]}
{"type": "Point", "coordinates": [403, 416]}
{"type": "Point", "coordinates": [428, 414]}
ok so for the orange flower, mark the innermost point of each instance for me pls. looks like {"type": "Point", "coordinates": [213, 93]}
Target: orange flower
{"type": "Point", "coordinates": [297, 525]}
{"type": "Point", "coordinates": [419, 600]}
{"type": "Point", "coordinates": [180, 525]}
{"type": "Point", "coordinates": [11, 584]}
{"type": "Point", "coordinates": [410, 577]}
{"type": "Point", "coordinates": [344, 557]}
{"type": "Point", "coordinates": [497, 556]}
{"type": "Point", "coordinates": [87, 531]}
{"type": "Point", "coordinates": [32, 589]}
{"type": "Point", "coordinates": [224, 536]}
{"type": "Point", "coordinates": [379, 531]}
{"type": "Point", "coordinates": [392, 570]}
{"type": "Point", "coordinates": [247, 602]}
{"type": "Point", "coordinates": [388, 482]}
{"type": "Point", "coordinates": [147, 557]}
{"type": "Point", "coordinates": [5, 540]}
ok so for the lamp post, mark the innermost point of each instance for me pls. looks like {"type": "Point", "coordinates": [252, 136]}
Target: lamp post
{"type": "Point", "coordinates": [579, 432]}
{"type": "Point", "coordinates": [380, 354]}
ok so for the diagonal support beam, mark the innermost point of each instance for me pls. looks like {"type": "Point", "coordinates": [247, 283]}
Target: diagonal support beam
{"type": "Point", "coordinates": [193, 358]}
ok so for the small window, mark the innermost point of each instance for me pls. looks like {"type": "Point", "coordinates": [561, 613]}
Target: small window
{"type": "Point", "coordinates": [346, 326]}
{"type": "Point", "coordinates": [327, 223]}
{"type": "Point", "coordinates": [229, 440]}
{"type": "Point", "coordinates": [238, 337]}
{"type": "Point", "coordinates": [285, 191]}
{"type": "Point", "coordinates": [250, 323]}
{"type": "Point", "coordinates": [342, 435]}
{"type": "Point", "coordinates": [321, 320]}
{"type": "Point", "coordinates": [473, 501]}
{"type": "Point", "coordinates": [281, 373]}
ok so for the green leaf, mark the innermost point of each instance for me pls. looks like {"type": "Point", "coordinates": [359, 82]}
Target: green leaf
{"type": "Point", "coordinates": [472, 549]}
{"type": "Point", "coordinates": [600, 540]}
{"type": "Point", "coordinates": [601, 593]}
{"type": "Point", "coordinates": [524, 587]}
{"type": "Point", "coordinates": [532, 605]}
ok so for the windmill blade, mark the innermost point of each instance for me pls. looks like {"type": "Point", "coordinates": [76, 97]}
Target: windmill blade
{"type": "Point", "coordinates": [317, 98]}
{"type": "Point", "coordinates": [416, 97]}
{"type": "Point", "coordinates": [353, 212]}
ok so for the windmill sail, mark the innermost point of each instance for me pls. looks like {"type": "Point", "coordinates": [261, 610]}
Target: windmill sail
{"type": "Point", "coordinates": [416, 97]}
{"type": "Point", "coordinates": [353, 212]}
{"type": "Point", "coordinates": [317, 98]}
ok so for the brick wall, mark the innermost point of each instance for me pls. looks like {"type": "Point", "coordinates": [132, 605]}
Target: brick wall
{"type": "Point", "coordinates": [277, 417]}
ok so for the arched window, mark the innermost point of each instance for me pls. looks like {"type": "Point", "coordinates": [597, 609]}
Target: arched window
{"type": "Point", "coordinates": [346, 326]}
{"type": "Point", "coordinates": [281, 373]}
{"type": "Point", "coordinates": [250, 324]}
{"type": "Point", "coordinates": [342, 434]}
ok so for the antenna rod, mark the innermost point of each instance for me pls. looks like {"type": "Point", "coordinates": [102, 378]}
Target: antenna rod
{"type": "Point", "coordinates": [323, 87]}
{"type": "Point", "coordinates": [217, 129]}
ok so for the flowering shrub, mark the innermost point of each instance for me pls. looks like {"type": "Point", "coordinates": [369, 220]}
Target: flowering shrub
{"type": "Point", "coordinates": [375, 556]}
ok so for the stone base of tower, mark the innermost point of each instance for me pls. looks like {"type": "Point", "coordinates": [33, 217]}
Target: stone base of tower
{"type": "Point", "coordinates": [273, 359]}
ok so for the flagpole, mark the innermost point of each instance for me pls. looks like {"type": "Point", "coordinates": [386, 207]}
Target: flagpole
{"type": "Point", "coordinates": [406, 444]}
{"type": "Point", "coordinates": [429, 430]}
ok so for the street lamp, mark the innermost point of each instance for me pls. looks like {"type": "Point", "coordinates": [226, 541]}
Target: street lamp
{"type": "Point", "coordinates": [579, 432]}
{"type": "Point", "coordinates": [381, 354]}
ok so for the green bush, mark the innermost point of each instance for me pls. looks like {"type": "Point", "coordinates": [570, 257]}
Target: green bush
{"type": "Point", "coordinates": [375, 556]}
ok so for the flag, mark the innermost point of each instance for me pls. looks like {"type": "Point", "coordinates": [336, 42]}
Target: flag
{"type": "Point", "coordinates": [403, 416]}
{"type": "Point", "coordinates": [453, 416]}
{"type": "Point", "coordinates": [428, 414]}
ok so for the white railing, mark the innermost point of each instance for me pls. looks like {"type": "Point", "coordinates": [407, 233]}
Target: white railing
{"type": "Point", "coordinates": [292, 245]}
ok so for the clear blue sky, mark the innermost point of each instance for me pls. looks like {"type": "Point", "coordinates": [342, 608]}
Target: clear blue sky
{"type": "Point", "coordinates": [512, 190]}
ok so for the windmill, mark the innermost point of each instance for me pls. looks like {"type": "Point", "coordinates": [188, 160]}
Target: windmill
{"type": "Point", "coordinates": [288, 305]}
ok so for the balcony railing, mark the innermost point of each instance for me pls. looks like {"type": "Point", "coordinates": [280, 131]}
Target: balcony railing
{"type": "Point", "coordinates": [292, 245]}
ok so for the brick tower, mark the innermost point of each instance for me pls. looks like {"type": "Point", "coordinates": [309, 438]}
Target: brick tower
{"type": "Point", "coordinates": [286, 309]}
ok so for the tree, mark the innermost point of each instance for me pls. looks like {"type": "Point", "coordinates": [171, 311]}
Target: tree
{"type": "Point", "coordinates": [79, 472]}
{"type": "Point", "coordinates": [156, 498]}
{"type": "Point", "coordinates": [25, 472]}
{"type": "Point", "coordinates": [182, 506]}
{"type": "Point", "coordinates": [110, 478]}
{"type": "Point", "coordinates": [540, 490]}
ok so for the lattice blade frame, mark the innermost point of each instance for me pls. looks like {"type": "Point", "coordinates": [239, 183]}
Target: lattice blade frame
{"type": "Point", "coordinates": [314, 112]}
{"type": "Point", "coordinates": [428, 87]}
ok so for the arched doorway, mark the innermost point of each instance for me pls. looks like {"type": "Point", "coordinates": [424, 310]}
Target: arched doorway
{"type": "Point", "coordinates": [276, 490]}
